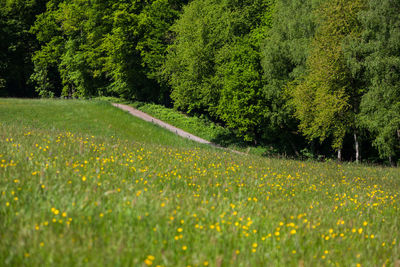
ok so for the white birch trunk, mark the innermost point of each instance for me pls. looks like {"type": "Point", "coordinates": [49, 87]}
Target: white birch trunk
{"type": "Point", "coordinates": [357, 147]}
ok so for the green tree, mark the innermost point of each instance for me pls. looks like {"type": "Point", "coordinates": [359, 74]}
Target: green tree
{"type": "Point", "coordinates": [154, 25]}
{"type": "Point", "coordinates": [103, 47]}
{"type": "Point", "coordinates": [241, 104]}
{"type": "Point", "coordinates": [68, 62]}
{"type": "Point", "coordinates": [239, 74]}
{"type": "Point", "coordinates": [214, 67]}
{"type": "Point", "coordinates": [284, 54]}
{"type": "Point", "coordinates": [203, 28]}
{"type": "Point", "coordinates": [136, 46]}
{"type": "Point", "coordinates": [374, 58]}
{"type": "Point", "coordinates": [326, 99]}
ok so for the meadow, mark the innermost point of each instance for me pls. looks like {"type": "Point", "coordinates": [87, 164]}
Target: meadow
{"type": "Point", "coordinates": [85, 184]}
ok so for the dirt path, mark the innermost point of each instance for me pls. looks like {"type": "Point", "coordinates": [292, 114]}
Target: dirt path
{"type": "Point", "coordinates": [169, 127]}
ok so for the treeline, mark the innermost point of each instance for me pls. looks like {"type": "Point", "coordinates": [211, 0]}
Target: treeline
{"type": "Point", "coordinates": [306, 77]}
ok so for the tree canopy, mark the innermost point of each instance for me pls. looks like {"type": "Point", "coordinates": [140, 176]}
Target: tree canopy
{"type": "Point", "coordinates": [375, 60]}
{"type": "Point", "coordinates": [324, 98]}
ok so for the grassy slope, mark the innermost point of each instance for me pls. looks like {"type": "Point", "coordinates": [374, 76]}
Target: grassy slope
{"type": "Point", "coordinates": [73, 195]}
{"type": "Point", "coordinates": [95, 118]}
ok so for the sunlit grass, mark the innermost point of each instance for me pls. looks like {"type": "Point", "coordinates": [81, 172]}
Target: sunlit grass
{"type": "Point", "coordinates": [97, 118]}
{"type": "Point", "coordinates": [75, 193]}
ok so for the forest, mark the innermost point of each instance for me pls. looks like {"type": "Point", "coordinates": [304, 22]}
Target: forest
{"type": "Point", "coordinates": [317, 77]}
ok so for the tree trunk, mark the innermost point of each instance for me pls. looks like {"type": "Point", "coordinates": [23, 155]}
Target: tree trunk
{"type": "Point", "coordinates": [357, 147]}
{"type": "Point", "coordinates": [339, 154]}
{"type": "Point", "coordinates": [294, 148]}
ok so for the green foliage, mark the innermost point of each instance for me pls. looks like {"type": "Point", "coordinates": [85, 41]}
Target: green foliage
{"type": "Point", "coordinates": [200, 32]}
{"type": "Point", "coordinates": [325, 98]}
{"type": "Point", "coordinates": [241, 104]}
{"type": "Point", "coordinates": [286, 48]}
{"type": "Point", "coordinates": [103, 48]}
{"type": "Point", "coordinates": [374, 58]}
{"type": "Point", "coordinates": [122, 61]}
{"type": "Point", "coordinates": [69, 34]}
{"type": "Point", "coordinates": [284, 54]}
{"type": "Point", "coordinates": [239, 75]}
{"type": "Point", "coordinates": [213, 66]}
{"type": "Point", "coordinates": [154, 24]}
{"type": "Point", "coordinates": [283, 58]}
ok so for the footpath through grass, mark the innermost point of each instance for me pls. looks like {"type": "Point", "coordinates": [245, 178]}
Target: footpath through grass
{"type": "Point", "coordinates": [131, 194]}
{"type": "Point", "coordinates": [200, 127]}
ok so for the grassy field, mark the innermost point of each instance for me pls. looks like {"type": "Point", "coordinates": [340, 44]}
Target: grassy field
{"type": "Point", "coordinates": [83, 183]}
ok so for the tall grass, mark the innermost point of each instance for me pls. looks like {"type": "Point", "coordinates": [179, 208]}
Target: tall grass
{"type": "Point", "coordinates": [118, 191]}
